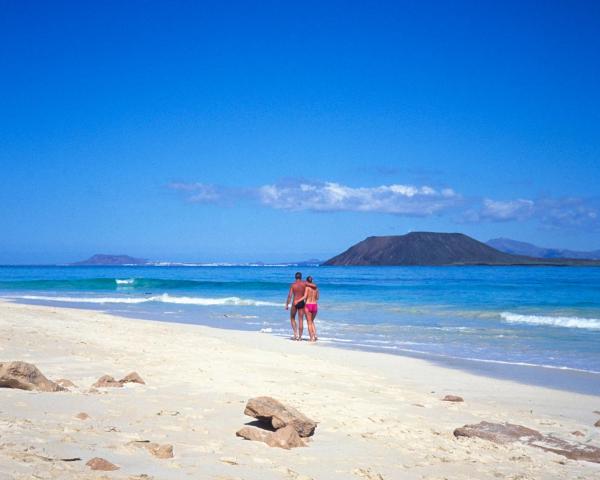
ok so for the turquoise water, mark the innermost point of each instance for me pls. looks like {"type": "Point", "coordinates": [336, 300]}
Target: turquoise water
{"type": "Point", "coordinates": [538, 323]}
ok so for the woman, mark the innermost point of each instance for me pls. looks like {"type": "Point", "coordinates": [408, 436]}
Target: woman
{"type": "Point", "coordinates": [310, 298]}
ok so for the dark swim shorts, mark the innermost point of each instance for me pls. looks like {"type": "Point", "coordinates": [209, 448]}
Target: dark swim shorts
{"type": "Point", "coordinates": [300, 304]}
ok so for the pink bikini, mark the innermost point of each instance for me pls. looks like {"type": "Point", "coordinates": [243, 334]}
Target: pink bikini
{"type": "Point", "coordinates": [312, 308]}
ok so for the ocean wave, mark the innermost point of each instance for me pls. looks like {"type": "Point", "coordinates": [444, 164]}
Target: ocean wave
{"type": "Point", "coordinates": [566, 322]}
{"type": "Point", "coordinates": [143, 284]}
{"type": "Point", "coordinates": [164, 298]}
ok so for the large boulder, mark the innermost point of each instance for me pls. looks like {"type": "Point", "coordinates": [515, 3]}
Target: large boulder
{"type": "Point", "coordinates": [25, 376]}
{"type": "Point", "coordinates": [278, 415]}
{"type": "Point", "coordinates": [285, 437]}
{"type": "Point", "coordinates": [498, 432]}
{"type": "Point", "coordinates": [508, 433]}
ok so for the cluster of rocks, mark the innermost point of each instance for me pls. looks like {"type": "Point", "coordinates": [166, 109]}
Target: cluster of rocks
{"type": "Point", "coordinates": [26, 376]}
{"type": "Point", "coordinates": [109, 381]}
{"type": "Point", "coordinates": [280, 425]}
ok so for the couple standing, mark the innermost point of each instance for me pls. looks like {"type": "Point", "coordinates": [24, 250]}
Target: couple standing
{"type": "Point", "coordinates": [304, 297]}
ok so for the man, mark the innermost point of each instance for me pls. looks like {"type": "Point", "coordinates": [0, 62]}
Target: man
{"type": "Point", "coordinates": [296, 292]}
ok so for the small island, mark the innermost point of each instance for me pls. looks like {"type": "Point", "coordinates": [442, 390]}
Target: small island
{"type": "Point", "coordinates": [436, 249]}
{"type": "Point", "coordinates": [108, 260]}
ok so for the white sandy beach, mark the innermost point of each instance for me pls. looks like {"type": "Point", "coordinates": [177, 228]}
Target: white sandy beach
{"type": "Point", "coordinates": [380, 416]}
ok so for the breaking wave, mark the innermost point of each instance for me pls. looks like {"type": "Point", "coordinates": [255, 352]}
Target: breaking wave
{"type": "Point", "coordinates": [164, 298]}
{"type": "Point", "coordinates": [566, 322]}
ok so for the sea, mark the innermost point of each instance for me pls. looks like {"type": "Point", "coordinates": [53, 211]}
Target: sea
{"type": "Point", "coordinates": [536, 325]}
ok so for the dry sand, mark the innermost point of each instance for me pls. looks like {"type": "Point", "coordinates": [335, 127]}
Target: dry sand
{"type": "Point", "coordinates": [380, 416]}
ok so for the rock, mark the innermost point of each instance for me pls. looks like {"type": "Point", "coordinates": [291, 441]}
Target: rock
{"type": "Point", "coordinates": [254, 434]}
{"type": "Point", "coordinates": [507, 433]}
{"type": "Point", "coordinates": [63, 382]}
{"type": "Point", "coordinates": [597, 424]}
{"type": "Point", "coordinates": [498, 432]}
{"type": "Point", "coordinates": [25, 376]}
{"type": "Point", "coordinates": [106, 381]}
{"type": "Point", "coordinates": [82, 416]}
{"type": "Point", "coordinates": [577, 433]}
{"type": "Point", "coordinates": [277, 415]}
{"type": "Point", "coordinates": [98, 463]}
{"type": "Point", "coordinates": [132, 377]}
{"type": "Point", "coordinates": [285, 437]}
{"type": "Point", "coordinates": [160, 451]}
{"type": "Point", "coordinates": [452, 398]}
{"type": "Point", "coordinates": [171, 413]}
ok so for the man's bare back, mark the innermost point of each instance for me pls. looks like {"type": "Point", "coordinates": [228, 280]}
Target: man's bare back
{"type": "Point", "coordinates": [298, 288]}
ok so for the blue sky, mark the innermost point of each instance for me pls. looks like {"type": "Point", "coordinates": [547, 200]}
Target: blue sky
{"type": "Point", "coordinates": [206, 131]}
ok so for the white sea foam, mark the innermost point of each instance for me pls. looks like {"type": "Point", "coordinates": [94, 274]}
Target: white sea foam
{"type": "Point", "coordinates": [164, 298]}
{"type": "Point", "coordinates": [567, 322]}
{"type": "Point", "coordinates": [126, 281]}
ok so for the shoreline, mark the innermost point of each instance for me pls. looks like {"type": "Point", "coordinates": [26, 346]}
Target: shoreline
{"type": "Point", "coordinates": [546, 376]}
{"type": "Point", "coordinates": [380, 416]}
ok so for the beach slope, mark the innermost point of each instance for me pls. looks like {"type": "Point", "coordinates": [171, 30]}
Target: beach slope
{"type": "Point", "coordinates": [379, 416]}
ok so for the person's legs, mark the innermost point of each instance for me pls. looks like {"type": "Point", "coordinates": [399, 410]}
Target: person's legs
{"type": "Point", "coordinates": [301, 313]}
{"type": "Point", "coordinates": [309, 323]}
{"type": "Point", "coordinates": [311, 313]}
{"type": "Point", "coordinates": [293, 322]}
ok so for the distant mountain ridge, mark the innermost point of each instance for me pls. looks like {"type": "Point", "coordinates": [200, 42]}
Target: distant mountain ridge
{"type": "Point", "coordinates": [515, 247]}
{"type": "Point", "coordinates": [103, 259]}
{"type": "Point", "coordinates": [431, 248]}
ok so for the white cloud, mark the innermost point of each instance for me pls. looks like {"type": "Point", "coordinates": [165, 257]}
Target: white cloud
{"type": "Point", "coordinates": [398, 199]}
{"type": "Point", "coordinates": [570, 212]}
{"type": "Point", "coordinates": [331, 197]}
{"type": "Point", "coordinates": [520, 209]}
{"type": "Point", "coordinates": [198, 192]}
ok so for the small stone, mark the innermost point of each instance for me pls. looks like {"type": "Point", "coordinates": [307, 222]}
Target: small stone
{"type": "Point", "coordinates": [171, 413]}
{"type": "Point", "coordinates": [160, 451]}
{"type": "Point", "coordinates": [577, 433]}
{"type": "Point", "coordinates": [63, 382]}
{"type": "Point", "coordinates": [98, 463]}
{"type": "Point", "coordinates": [82, 416]}
{"type": "Point", "coordinates": [452, 398]}
{"type": "Point", "coordinates": [132, 377]}
{"type": "Point", "coordinates": [597, 424]}
{"type": "Point", "coordinates": [106, 381]}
